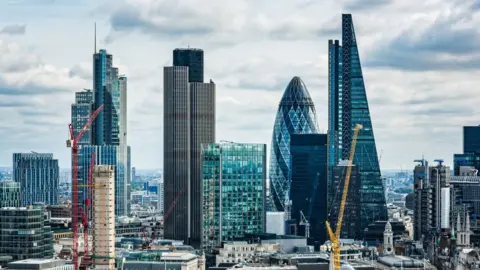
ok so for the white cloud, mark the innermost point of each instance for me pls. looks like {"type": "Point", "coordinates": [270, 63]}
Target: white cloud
{"type": "Point", "coordinates": [252, 49]}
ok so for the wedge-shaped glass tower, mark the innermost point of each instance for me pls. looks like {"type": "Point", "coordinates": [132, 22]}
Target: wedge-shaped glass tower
{"type": "Point", "coordinates": [296, 114]}
{"type": "Point", "coordinates": [348, 106]}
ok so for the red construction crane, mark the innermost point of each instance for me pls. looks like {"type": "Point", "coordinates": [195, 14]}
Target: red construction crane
{"type": "Point", "coordinates": [73, 143]}
{"type": "Point", "coordinates": [85, 216]}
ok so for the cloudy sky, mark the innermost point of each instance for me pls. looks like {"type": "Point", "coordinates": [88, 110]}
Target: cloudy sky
{"type": "Point", "coordinates": [421, 63]}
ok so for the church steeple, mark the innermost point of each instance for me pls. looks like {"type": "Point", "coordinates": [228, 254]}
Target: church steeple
{"type": "Point", "coordinates": [388, 248]}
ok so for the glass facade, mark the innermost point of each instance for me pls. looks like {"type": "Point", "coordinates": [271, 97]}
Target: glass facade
{"type": "Point", "coordinates": [105, 155]}
{"type": "Point", "coordinates": [296, 114]}
{"type": "Point", "coordinates": [23, 234]}
{"type": "Point", "coordinates": [9, 194]}
{"type": "Point", "coordinates": [233, 187]}
{"type": "Point", "coordinates": [465, 160]}
{"type": "Point", "coordinates": [38, 175]}
{"type": "Point", "coordinates": [471, 139]}
{"type": "Point", "coordinates": [191, 58]}
{"type": "Point", "coordinates": [351, 108]}
{"type": "Point", "coordinates": [309, 183]}
{"type": "Point", "coordinates": [81, 111]}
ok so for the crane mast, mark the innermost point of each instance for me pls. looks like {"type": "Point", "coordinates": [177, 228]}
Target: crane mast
{"type": "Point", "coordinates": [335, 237]}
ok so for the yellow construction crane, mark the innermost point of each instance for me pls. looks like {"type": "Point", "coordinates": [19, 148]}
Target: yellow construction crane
{"type": "Point", "coordinates": [335, 238]}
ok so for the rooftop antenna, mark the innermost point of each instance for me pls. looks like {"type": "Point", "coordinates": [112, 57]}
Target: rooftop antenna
{"type": "Point", "coordinates": [95, 38]}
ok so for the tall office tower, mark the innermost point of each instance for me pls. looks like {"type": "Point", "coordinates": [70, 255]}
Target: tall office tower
{"type": "Point", "coordinates": [348, 106]}
{"type": "Point", "coordinates": [471, 152]}
{"type": "Point", "coordinates": [351, 223]}
{"type": "Point", "coordinates": [191, 58]}
{"type": "Point", "coordinates": [109, 130]}
{"type": "Point", "coordinates": [9, 194]}
{"type": "Point", "coordinates": [38, 175]}
{"type": "Point", "coordinates": [81, 111]}
{"type": "Point", "coordinates": [189, 119]}
{"type": "Point", "coordinates": [430, 183]}
{"type": "Point", "coordinates": [23, 234]}
{"type": "Point", "coordinates": [233, 186]}
{"type": "Point", "coordinates": [471, 139]}
{"type": "Point", "coordinates": [104, 217]}
{"type": "Point", "coordinates": [309, 183]}
{"type": "Point", "coordinates": [422, 217]}
{"type": "Point", "coordinates": [296, 114]}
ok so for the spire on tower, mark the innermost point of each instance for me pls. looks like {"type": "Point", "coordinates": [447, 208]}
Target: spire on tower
{"type": "Point", "coordinates": [467, 223]}
{"type": "Point", "coordinates": [95, 38]}
{"type": "Point", "coordinates": [459, 227]}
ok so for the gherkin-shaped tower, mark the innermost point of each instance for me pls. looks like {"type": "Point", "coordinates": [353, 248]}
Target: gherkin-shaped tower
{"type": "Point", "coordinates": [296, 114]}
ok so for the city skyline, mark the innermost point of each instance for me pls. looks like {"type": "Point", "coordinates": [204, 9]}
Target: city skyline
{"type": "Point", "coordinates": [416, 94]}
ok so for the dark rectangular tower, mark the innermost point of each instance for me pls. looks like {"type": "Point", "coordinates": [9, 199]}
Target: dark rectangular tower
{"type": "Point", "coordinates": [191, 58]}
{"type": "Point", "coordinates": [308, 191]}
{"type": "Point", "coordinates": [471, 139]}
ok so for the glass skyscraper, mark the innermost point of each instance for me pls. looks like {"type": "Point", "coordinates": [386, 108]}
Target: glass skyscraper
{"type": "Point", "coordinates": [348, 106]}
{"type": "Point", "coordinates": [107, 136]}
{"type": "Point", "coordinates": [233, 187]}
{"type": "Point", "coordinates": [296, 114]}
{"type": "Point", "coordinates": [38, 175]}
{"type": "Point", "coordinates": [191, 58]}
{"type": "Point", "coordinates": [309, 183]}
{"type": "Point", "coordinates": [471, 139]}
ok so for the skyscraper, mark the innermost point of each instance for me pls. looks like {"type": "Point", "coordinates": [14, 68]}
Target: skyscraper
{"type": "Point", "coordinates": [189, 119]}
{"type": "Point", "coordinates": [471, 139]}
{"type": "Point", "coordinates": [296, 114]}
{"type": "Point", "coordinates": [348, 106]}
{"type": "Point", "coordinates": [309, 183]}
{"type": "Point", "coordinates": [191, 58]}
{"type": "Point", "coordinates": [233, 185]}
{"type": "Point", "coordinates": [38, 175]}
{"type": "Point", "coordinates": [108, 133]}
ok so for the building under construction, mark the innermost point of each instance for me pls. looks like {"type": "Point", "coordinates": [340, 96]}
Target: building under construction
{"type": "Point", "coordinates": [103, 217]}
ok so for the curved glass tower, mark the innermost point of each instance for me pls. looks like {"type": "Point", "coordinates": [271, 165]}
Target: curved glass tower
{"type": "Point", "coordinates": [296, 114]}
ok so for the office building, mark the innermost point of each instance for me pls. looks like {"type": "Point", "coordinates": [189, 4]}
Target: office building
{"type": "Point", "coordinates": [233, 186]}
{"type": "Point", "coordinates": [104, 217]}
{"type": "Point", "coordinates": [351, 223]}
{"type": "Point", "coordinates": [105, 155]}
{"type": "Point", "coordinates": [430, 183]}
{"type": "Point", "coordinates": [189, 119]}
{"type": "Point", "coordinates": [40, 264]}
{"type": "Point", "coordinates": [471, 152]}
{"type": "Point", "coordinates": [81, 111]}
{"type": "Point", "coordinates": [38, 175]}
{"type": "Point", "coordinates": [309, 183]}
{"type": "Point", "coordinates": [9, 194]}
{"type": "Point", "coordinates": [348, 106]}
{"type": "Point", "coordinates": [296, 114]}
{"type": "Point", "coordinates": [108, 133]}
{"type": "Point", "coordinates": [471, 139]}
{"type": "Point", "coordinates": [191, 58]}
{"type": "Point", "coordinates": [464, 194]}
{"type": "Point", "coordinates": [23, 234]}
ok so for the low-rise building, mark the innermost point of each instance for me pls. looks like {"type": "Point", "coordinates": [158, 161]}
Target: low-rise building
{"type": "Point", "coordinates": [40, 264]}
{"type": "Point", "coordinates": [168, 260]}
{"type": "Point", "coordinates": [242, 251]}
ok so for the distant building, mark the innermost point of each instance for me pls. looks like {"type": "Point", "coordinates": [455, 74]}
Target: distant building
{"type": "Point", "coordinates": [9, 194]}
{"type": "Point", "coordinates": [351, 223]}
{"type": "Point", "coordinates": [38, 175]}
{"type": "Point", "coordinates": [428, 185]}
{"type": "Point", "coordinates": [23, 234]}
{"type": "Point", "coordinates": [308, 191]}
{"type": "Point", "coordinates": [233, 186]}
{"type": "Point", "coordinates": [60, 211]}
{"type": "Point", "coordinates": [81, 111]}
{"type": "Point", "coordinates": [168, 260]}
{"type": "Point", "coordinates": [471, 152]}
{"type": "Point", "coordinates": [104, 217]}
{"type": "Point", "coordinates": [40, 264]}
